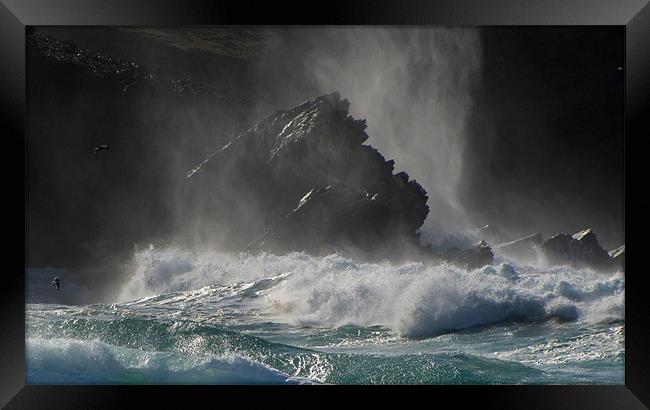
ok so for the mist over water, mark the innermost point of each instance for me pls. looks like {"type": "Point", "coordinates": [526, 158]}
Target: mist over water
{"type": "Point", "coordinates": [412, 299]}
{"type": "Point", "coordinates": [414, 88]}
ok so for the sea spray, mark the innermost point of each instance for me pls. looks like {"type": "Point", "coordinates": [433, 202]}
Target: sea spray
{"type": "Point", "coordinates": [414, 299]}
{"type": "Point", "coordinates": [210, 317]}
{"type": "Point", "coordinates": [414, 87]}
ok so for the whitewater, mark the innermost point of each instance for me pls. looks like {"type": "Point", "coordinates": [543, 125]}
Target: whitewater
{"type": "Point", "coordinates": [208, 317]}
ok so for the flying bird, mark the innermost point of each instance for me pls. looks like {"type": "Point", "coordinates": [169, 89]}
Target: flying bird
{"type": "Point", "coordinates": [100, 148]}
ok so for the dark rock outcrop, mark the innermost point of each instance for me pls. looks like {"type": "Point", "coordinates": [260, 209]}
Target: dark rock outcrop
{"type": "Point", "coordinates": [329, 219]}
{"type": "Point", "coordinates": [520, 249]}
{"type": "Point", "coordinates": [303, 180]}
{"type": "Point", "coordinates": [475, 257]}
{"type": "Point", "coordinates": [581, 250]}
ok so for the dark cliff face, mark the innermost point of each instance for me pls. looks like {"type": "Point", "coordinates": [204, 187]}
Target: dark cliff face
{"type": "Point", "coordinates": [303, 180]}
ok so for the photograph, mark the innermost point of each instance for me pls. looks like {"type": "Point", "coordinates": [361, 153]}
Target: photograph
{"type": "Point", "coordinates": [339, 205]}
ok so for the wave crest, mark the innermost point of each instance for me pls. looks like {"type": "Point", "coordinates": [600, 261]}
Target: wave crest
{"type": "Point", "coordinates": [53, 361]}
{"type": "Point", "coordinates": [414, 299]}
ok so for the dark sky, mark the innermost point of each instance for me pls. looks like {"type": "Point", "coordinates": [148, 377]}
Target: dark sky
{"type": "Point", "coordinates": [546, 148]}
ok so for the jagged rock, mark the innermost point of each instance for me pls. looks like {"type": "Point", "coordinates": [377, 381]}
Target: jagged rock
{"type": "Point", "coordinates": [493, 235]}
{"type": "Point", "coordinates": [475, 257]}
{"type": "Point", "coordinates": [580, 250]}
{"type": "Point", "coordinates": [618, 257]}
{"type": "Point", "coordinates": [315, 152]}
{"type": "Point", "coordinates": [329, 219]}
{"type": "Point", "coordinates": [520, 249]}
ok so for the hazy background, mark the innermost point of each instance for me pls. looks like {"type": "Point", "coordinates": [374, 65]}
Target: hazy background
{"type": "Point", "coordinates": [521, 128]}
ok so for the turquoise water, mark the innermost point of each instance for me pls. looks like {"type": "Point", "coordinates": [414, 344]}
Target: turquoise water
{"type": "Point", "coordinates": [185, 318]}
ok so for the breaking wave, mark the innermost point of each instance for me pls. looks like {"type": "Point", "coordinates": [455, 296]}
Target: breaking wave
{"type": "Point", "coordinates": [213, 318]}
{"type": "Point", "coordinates": [414, 300]}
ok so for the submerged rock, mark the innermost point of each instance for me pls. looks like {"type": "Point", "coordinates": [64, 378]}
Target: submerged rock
{"type": "Point", "coordinates": [581, 250]}
{"type": "Point", "coordinates": [303, 180]}
{"type": "Point", "coordinates": [475, 257]}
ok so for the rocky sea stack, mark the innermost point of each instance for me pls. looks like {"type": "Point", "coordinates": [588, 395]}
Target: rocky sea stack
{"type": "Point", "coordinates": [303, 179]}
{"type": "Point", "coordinates": [581, 250]}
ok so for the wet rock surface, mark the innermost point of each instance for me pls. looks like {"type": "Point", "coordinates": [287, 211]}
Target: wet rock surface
{"type": "Point", "coordinates": [475, 257]}
{"type": "Point", "coordinates": [581, 250]}
{"type": "Point", "coordinates": [330, 219]}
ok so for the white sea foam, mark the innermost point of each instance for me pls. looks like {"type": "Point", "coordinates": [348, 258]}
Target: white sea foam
{"type": "Point", "coordinates": [53, 361]}
{"type": "Point", "coordinates": [160, 271]}
{"type": "Point", "coordinates": [413, 299]}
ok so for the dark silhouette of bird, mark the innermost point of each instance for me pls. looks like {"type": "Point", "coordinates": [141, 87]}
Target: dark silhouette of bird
{"type": "Point", "coordinates": [100, 148]}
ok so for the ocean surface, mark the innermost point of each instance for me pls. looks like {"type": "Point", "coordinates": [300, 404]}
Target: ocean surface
{"type": "Point", "coordinates": [211, 318]}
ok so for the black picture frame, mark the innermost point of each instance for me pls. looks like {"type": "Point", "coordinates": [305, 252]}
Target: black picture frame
{"type": "Point", "coordinates": [15, 15]}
